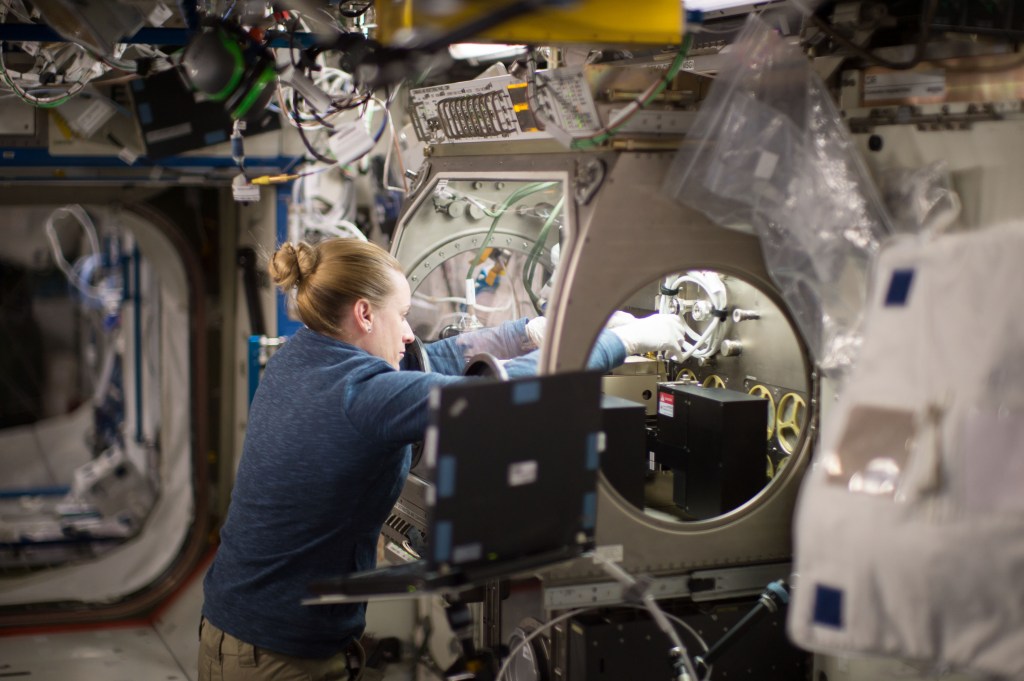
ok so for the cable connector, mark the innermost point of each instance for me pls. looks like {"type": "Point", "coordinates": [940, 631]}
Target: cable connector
{"type": "Point", "coordinates": [264, 180]}
{"type": "Point", "coordinates": [244, 191]}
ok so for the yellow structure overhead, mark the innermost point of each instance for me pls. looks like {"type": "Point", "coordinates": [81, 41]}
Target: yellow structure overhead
{"type": "Point", "coordinates": [654, 22]}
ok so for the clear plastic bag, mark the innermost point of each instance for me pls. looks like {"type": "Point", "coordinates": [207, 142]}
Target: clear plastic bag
{"type": "Point", "coordinates": [921, 200]}
{"type": "Point", "coordinates": [773, 157]}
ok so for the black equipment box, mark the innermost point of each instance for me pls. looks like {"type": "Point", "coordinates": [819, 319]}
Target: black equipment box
{"type": "Point", "coordinates": [626, 645]}
{"type": "Point", "coordinates": [624, 460]}
{"type": "Point", "coordinates": [173, 122]}
{"type": "Point", "coordinates": [721, 437]}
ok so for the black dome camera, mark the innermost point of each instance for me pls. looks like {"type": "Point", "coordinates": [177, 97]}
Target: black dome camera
{"type": "Point", "coordinates": [227, 65]}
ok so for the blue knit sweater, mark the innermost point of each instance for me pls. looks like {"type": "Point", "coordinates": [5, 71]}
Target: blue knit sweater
{"type": "Point", "coordinates": [326, 453]}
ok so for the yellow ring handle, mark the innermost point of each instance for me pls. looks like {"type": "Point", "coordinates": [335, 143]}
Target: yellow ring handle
{"type": "Point", "coordinates": [713, 381]}
{"type": "Point", "coordinates": [789, 421]}
{"type": "Point", "coordinates": [762, 391]}
{"type": "Point", "coordinates": [686, 372]}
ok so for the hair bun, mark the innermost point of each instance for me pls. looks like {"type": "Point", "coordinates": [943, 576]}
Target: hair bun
{"type": "Point", "coordinates": [292, 264]}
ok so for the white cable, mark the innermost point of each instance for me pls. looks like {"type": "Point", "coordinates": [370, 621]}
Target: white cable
{"type": "Point", "coordinates": [534, 634]}
{"type": "Point", "coordinates": [387, 156]}
{"type": "Point", "coordinates": [343, 229]}
{"type": "Point", "coordinates": [707, 342]}
{"type": "Point", "coordinates": [107, 367]}
{"type": "Point", "coordinates": [659, 616]}
{"type": "Point", "coordinates": [691, 350]}
{"type": "Point", "coordinates": [305, 216]}
{"type": "Point", "coordinates": [579, 611]}
{"type": "Point", "coordinates": [65, 267]}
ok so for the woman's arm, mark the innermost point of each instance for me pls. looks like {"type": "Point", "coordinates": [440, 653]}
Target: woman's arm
{"type": "Point", "coordinates": [390, 407]}
{"type": "Point", "coordinates": [608, 353]}
{"type": "Point", "coordinates": [450, 356]}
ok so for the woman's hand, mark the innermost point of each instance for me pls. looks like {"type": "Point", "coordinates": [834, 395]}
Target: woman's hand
{"type": "Point", "coordinates": [535, 330]}
{"type": "Point", "coordinates": [659, 332]}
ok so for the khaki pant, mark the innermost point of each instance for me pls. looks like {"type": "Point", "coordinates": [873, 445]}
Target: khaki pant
{"type": "Point", "coordinates": [222, 657]}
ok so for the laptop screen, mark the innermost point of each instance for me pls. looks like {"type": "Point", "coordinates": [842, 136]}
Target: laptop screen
{"type": "Point", "coordinates": [513, 472]}
{"type": "Point", "coordinates": [514, 469]}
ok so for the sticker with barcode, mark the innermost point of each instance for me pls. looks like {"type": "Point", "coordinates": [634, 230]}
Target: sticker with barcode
{"type": "Point", "coordinates": [905, 85]}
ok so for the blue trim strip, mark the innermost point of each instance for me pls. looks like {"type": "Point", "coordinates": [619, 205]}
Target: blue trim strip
{"type": "Point", "coordinates": [285, 325]}
{"type": "Point", "coordinates": [62, 542]}
{"type": "Point", "coordinates": [149, 35]}
{"type": "Point", "coordinates": [138, 344]}
{"type": "Point", "coordinates": [254, 366]}
{"type": "Point", "coordinates": [38, 156]}
{"type": "Point", "coordinates": [34, 492]}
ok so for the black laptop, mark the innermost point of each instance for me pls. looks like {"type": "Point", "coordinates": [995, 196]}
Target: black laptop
{"type": "Point", "coordinates": [513, 467]}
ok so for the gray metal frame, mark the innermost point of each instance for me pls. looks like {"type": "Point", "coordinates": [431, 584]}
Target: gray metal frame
{"type": "Point", "coordinates": [621, 234]}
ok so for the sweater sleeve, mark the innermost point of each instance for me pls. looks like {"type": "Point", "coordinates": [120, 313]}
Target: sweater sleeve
{"type": "Point", "coordinates": [390, 406]}
{"type": "Point", "coordinates": [608, 353]}
{"type": "Point", "coordinates": [450, 356]}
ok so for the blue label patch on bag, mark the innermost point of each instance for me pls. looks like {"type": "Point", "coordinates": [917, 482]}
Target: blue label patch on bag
{"type": "Point", "coordinates": [899, 287]}
{"type": "Point", "coordinates": [828, 606]}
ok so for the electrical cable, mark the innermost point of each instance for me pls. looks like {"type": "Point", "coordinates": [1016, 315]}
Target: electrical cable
{"type": "Point", "coordinates": [422, 656]}
{"type": "Point", "coordinates": [305, 140]}
{"type": "Point", "coordinates": [925, 30]}
{"type": "Point", "coordinates": [503, 670]}
{"type": "Point", "coordinates": [24, 95]}
{"type": "Point", "coordinates": [288, 177]}
{"type": "Point", "coordinates": [530, 266]}
{"type": "Point", "coordinates": [704, 343]}
{"type": "Point", "coordinates": [361, 656]}
{"type": "Point", "coordinates": [631, 109]}
{"type": "Point", "coordinates": [354, 14]}
{"type": "Point", "coordinates": [462, 301]}
{"type": "Point", "coordinates": [512, 198]}
{"type": "Point", "coordinates": [104, 296]}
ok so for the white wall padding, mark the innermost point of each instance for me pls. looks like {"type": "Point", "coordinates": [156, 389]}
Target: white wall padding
{"type": "Point", "coordinates": [141, 560]}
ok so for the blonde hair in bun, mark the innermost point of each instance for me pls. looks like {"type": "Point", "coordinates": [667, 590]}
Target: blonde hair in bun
{"type": "Point", "coordinates": [292, 263]}
{"type": "Point", "coordinates": [331, 275]}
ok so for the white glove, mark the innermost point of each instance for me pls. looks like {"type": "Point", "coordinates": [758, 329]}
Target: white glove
{"type": "Point", "coordinates": [535, 330]}
{"type": "Point", "coordinates": [619, 318]}
{"type": "Point", "coordinates": [659, 332]}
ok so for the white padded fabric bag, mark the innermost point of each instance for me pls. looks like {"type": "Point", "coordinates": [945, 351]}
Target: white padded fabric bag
{"type": "Point", "coordinates": [909, 528]}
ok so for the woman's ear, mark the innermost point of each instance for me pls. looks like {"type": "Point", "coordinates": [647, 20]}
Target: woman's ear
{"type": "Point", "coordinates": [363, 314]}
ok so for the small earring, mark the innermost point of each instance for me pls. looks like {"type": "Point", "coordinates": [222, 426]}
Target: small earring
{"type": "Point", "coordinates": [369, 328]}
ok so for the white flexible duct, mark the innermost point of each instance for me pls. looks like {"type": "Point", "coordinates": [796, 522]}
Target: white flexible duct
{"type": "Point", "coordinates": [706, 343]}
